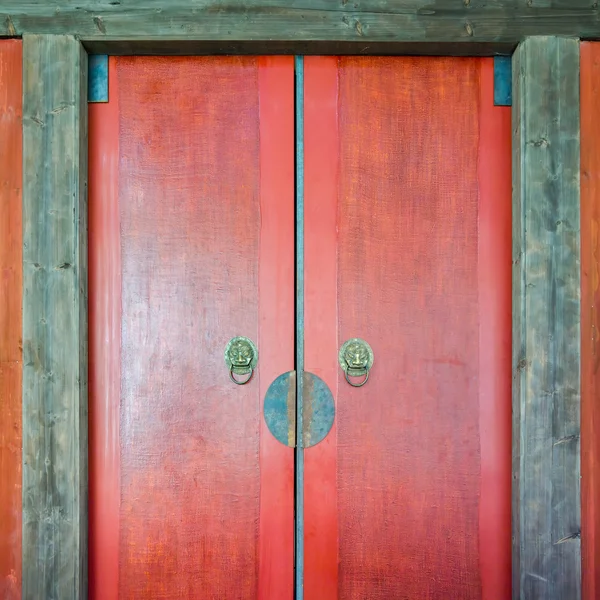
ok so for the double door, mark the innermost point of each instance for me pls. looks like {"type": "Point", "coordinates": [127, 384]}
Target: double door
{"type": "Point", "coordinates": [291, 205]}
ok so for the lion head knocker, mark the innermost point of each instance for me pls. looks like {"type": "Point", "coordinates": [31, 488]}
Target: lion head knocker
{"type": "Point", "coordinates": [356, 360]}
{"type": "Point", "coordinates": [241, 357]}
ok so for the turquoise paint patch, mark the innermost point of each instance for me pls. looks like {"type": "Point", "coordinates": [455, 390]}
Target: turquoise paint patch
{"type": "Point", "coordinates": [98, 78]}
{"type": "Point", "coordinates": [503, 81]}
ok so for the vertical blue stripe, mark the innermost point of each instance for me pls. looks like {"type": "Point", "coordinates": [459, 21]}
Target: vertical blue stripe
{"type": "Point", "coordinates": [98, 78]}
{"type": "Point", "coordinates": [299, 483]}
{"type": "Point", "coordinates": [503, 81]}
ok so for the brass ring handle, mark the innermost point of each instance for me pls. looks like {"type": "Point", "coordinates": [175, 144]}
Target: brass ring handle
{"type": "Point", "coordinates": [357, 385]}
{"type": "Point", "coordinates": [241, 357]}
{"type": "Point", "coordinates": [356, 359]}
{"type": "Point", "coordinates": [240, 382]}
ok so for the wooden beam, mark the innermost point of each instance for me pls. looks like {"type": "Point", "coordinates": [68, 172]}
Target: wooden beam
{"type": "Point", "coordinates": [314, 26]}
{"type": "Point", "coordinates": [546, 321]}
{"type": "Point", "coordinates": [54, 318]}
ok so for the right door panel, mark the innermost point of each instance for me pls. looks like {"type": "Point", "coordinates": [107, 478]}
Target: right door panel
{"type": "Point", "coordinates": [408, 246]}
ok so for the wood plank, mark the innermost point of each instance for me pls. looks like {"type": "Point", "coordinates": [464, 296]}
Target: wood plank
{"type": "Point", "coordinates": [409, 495]}
{"type": "Point", "coordinates": [408, 462]}
{"type": "Point", "coordinates": [590, 319]}
{"type": "Point", "coordinates": [54, 318]}
{"type": "Point", "coordinates": [276, 318]}
{"type": "Point", "coordinates": [104, 243]}
{"type": "Point", "coordinates": [495, 340]}
{"type": "Point", "coordinates": [10, 317]}
{"type": "Point", "coordinates": [205, 235]}
{"type": "Point", "coordinates": [546, 320]}
{"type": "Point", "coordinates": [321, 174]}
{"type": "Point", "coordinates": [485, 27]}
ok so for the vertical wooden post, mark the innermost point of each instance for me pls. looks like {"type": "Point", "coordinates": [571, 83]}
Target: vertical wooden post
{"type": "Point", "coordinates": [54, 318]}
{"type": "Point", "coordinates": [546, 321]}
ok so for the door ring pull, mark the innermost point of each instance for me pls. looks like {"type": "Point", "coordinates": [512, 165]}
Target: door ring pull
{"type": "Point", "coordinates": [356, 359]}
{"type": "Point", "coordinates": [240, 382]}
{"type": "Point", "coordinates": [357, 385]}
{"type": "Point", "coordinates": [241, 357]}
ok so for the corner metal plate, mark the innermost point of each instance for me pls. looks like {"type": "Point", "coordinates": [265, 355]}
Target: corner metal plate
{"type": "Point", "coordinates": [98, 78]}
{"type": "Point", "coordinates": [280, 409]}
{"type": "Point", "coordinates": [502, 81]}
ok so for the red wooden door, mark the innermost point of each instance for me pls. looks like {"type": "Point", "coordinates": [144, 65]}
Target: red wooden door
{"type": "Point", "coordinates": [408, 246]}
{"type": "Point", "coordinates": [191, 237]}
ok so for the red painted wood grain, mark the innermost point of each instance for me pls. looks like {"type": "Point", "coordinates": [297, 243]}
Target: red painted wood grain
{"type": "Point", "coordinates": [205, 221]}
{"type": "Point", "coordinates": [495, 339]}
{"type": "Point", "coordinates": [276, 318]}
{"type": "Point", "coordinates": [590, 301]}
{"type": "Point", "coordinates": [408, 443]}
{"type": "Point", "coordinates": [321, 159]}
{"type": "Point", "coordinates": [104, 305]}
{"type": "Point", "coordinates": [397, 198]}
{"type": "Point", "coordinates": [11, 283]}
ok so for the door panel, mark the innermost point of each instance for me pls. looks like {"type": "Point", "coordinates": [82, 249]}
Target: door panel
{"type": "Point", "coordinates": [191, 209]}
{"type": "Point", "coordinates": [407, 194]}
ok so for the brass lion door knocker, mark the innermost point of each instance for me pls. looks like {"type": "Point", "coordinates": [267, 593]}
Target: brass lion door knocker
{"type": "Point", "coordinates": [241, 357]}
{"type": "Point", "coordinates": [356, 360]}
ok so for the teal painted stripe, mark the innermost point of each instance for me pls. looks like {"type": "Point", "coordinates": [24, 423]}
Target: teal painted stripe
{"type": "Point", "coordinates": [299, 458]}
{"type": "Point", "coordinates": [97, 78]}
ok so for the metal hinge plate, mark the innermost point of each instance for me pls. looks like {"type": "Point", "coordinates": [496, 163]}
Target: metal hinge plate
{"type": "Point", "coordinates": [97, 78]}
{"type": "Point", "coordinates": [503, 80]}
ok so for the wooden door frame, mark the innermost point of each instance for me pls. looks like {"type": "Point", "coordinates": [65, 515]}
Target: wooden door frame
{"type": "Point", "coordinates": [546, 278]}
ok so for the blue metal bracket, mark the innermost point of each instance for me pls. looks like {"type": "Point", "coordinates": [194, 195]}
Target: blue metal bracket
{"type": "Point", "coordinates": [98, 78]}
{"type": "Point", "coordinates": [503, 81]}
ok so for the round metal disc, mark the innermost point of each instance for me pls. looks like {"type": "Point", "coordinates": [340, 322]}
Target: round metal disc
{"type": "Point", "coordinates": [318, 410]}
{"type": "Point", "coordinates": [280, 409]}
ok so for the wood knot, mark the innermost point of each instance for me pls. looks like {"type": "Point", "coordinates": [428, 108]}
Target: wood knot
{"type": "Point", "coordinates": [10, 27]}
{"type": "Point", "coordinates": [99, 23]}
{"type": "Point", "coordinates": [541, 143]}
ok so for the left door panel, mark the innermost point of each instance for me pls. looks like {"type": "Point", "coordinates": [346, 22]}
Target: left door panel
{"type": "Point", "coordinates": [191, 244]}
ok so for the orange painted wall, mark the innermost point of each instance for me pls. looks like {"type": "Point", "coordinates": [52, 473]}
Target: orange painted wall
{"type": "Point", "coordinates": [10, 318]}
{"type": "Point", "coordinates": [590, 318]}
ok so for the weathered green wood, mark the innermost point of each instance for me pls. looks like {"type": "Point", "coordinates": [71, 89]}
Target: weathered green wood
{"type": "Point", "coordinates": [546, 321]}
{"type": "Point", "coordinates": [338, 26]}
{"type": "Point", "coordinates": [54, 318]}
